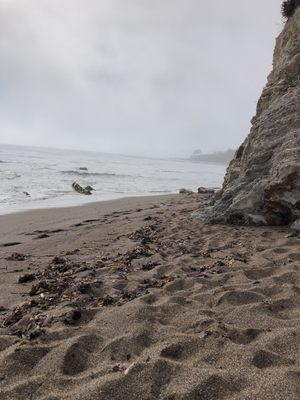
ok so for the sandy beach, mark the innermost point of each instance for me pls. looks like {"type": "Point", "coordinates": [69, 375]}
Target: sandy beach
{"type": "Point", "coordinates": [133, 299]}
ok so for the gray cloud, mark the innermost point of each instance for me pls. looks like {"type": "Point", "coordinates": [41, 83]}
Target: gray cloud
{"type": "Point", "coordinates": [158, 77]}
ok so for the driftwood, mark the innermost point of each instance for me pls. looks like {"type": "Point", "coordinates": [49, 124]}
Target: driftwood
{"type": "Point", "coordinates": [79, 189]}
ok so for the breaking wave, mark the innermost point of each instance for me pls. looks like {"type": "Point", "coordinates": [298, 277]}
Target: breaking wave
{"type": "Point", "coordinates": [9, 175]}
{"type": "Point", "coordinates": [85, 173]}
{"type": "Point", "coordinates": [160, 191]}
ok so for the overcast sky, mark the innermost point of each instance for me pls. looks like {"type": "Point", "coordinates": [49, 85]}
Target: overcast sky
{"type": "Point", "coordinates": [155, 77]}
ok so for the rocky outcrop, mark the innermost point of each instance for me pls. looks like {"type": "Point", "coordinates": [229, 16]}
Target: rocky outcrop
{"type": "Point", "coordinates": [262, 183]}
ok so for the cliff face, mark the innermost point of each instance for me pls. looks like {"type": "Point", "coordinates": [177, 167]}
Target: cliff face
{"type": "Point", "coordinates": [262, 183]}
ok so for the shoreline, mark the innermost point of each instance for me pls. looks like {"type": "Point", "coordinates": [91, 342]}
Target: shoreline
{"type": "Point", "coordinates": [63, 205]}
{"type": "Point", "coordinates": [15, 223]}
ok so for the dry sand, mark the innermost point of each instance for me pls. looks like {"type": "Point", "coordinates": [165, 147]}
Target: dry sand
{"type": "Point", "coordinates": [134, 300]}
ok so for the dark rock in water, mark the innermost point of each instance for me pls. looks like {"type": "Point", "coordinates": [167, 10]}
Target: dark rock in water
{"type": "Point", "coordinates": [83, 168]}
{"type": "Point", "coordinates": [26, 194]}
{"type": "Point", "coordinates": [89, 188]}
{"type": "Point", "coordinates": [26, 278]}
{"type": "Point", "coordinates": [80, 189]}
{"type": "Point", "coordinates": [262, 183]}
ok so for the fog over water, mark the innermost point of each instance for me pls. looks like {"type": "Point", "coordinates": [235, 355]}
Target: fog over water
{"type": "Point", "coordinates": [159, 77]}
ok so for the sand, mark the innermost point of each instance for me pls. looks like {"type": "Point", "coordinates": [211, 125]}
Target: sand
{"type": "Point", "coordinates": [134, 300]}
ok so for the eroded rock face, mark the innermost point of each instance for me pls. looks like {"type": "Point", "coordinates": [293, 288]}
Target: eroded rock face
{"type": "Point", "coordinates": [262, 183]}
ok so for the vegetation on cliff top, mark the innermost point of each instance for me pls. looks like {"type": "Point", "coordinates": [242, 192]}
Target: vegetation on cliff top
{"type": "Point", "coordinates": [288, 7]}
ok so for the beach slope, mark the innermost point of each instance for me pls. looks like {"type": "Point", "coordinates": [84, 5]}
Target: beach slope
{"type": "Point", "coordinates": [134, 300]}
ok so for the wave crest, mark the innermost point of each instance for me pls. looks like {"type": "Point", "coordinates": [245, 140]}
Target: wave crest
{"type": "Point", "coordinates": [85, 173]}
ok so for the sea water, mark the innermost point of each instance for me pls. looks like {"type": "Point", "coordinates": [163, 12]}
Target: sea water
{"type": "Point", "coordinates": [33, 177]}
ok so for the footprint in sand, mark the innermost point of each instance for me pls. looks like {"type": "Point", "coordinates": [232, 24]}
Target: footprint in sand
{"type": "Point", "coordinates": [22, 360]}
{"type": "Point", "coordinates": [259, 273]}
{"type": "Point", "coordinates": [127, 347]}
{"type": "Point", "coordinates": [237, 298]}
{"type": "Point", "coordinates": [216, 387]}
{"type": "Point", "coordinates": [265, 359]}
{"type": "Point", "coordinates": [78, 354]}
{"type": "Point", "coordinates": [6, 342]}
{"type": "Point", "coordinates": [245, 336]}
{"type": "Point", "coordinates": [279, 308]}
{"type": "Point", "coordinates": [181, 350]}
{"type": "Point", "coordinates": [288, 277]}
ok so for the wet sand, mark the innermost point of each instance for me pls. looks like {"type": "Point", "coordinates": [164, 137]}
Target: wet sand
{"type": "Point", "coordinates": [133, 299]}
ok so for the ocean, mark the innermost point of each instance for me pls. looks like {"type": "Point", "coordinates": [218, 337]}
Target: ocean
{"type": "Point", "coordinates": [33, 178]}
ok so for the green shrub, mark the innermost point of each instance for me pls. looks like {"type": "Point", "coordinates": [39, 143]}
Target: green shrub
{"type": "Point", "coordinates": [288, 7]}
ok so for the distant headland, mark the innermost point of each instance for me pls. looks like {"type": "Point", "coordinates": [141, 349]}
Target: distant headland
{"type": "Point", "coordinates": [218, 157]}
